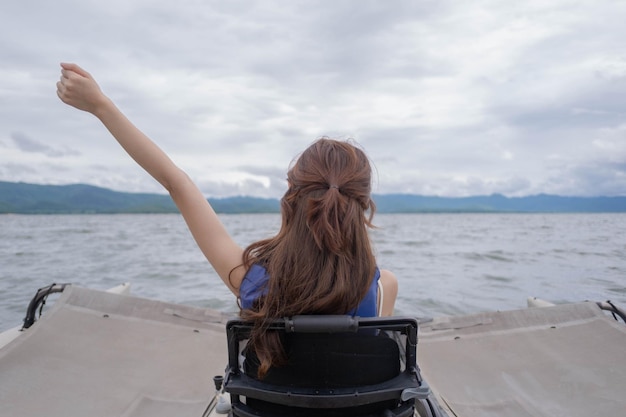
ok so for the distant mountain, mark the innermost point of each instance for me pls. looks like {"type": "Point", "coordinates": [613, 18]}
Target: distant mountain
{"type": "Point", "coordinates": [403, 203]}
{"type": "Point", "coordinates": [77, 198]}
{"type": "Point", "coordinates": [26, 198]}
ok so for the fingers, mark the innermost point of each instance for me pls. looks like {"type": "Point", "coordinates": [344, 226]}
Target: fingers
{"type": "Point", "coordinates": [61, 86]}
{"type": "Point", "coordinates": [66, 85]}
{"type": "Point", "coordinates": [61, 90]}
{"type": "Point", "coordinates": [59, 94]}
{"type": "Point", "coordinates": [65, 76]}
{"type": "Point", "coordinates": [71, 74]}
{"type": "Point", "coordinates": [77, 88]}
{"type": "Point", "coordinates": [62, 83]}
{"type": "Point", "coordinates": [74, 68]}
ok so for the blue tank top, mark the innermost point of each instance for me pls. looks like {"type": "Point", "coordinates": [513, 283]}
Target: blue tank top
{"type": "Point", "coordinates": [254, 283]}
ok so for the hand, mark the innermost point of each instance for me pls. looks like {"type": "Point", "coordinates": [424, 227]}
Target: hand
{"type": "Point", "coordinates": [79, 89]}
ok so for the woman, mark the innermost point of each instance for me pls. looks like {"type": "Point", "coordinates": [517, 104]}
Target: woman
{"type": "Point", "coordinates": [320, 262]}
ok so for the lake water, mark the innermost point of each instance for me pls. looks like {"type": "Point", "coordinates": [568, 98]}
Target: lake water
{"type": "Point", "coordinates": [446, 263]}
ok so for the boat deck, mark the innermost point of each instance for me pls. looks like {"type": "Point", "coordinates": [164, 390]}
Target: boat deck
{"type": "Point", "coordinates": [141, 358]}
{"type": "Point", "coordinates": [100, 354]}
{"type": "Point", "coordinates": [566, 360]}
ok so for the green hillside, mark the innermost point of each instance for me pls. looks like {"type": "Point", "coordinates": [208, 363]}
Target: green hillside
{"type": "Point", "coordinates": [23, 198]}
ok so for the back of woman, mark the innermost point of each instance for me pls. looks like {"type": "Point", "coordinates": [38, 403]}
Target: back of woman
{"type": "Point", "coordinates": [320, 262]}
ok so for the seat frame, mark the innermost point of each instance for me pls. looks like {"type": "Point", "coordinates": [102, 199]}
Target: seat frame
{"type": "Point", "coordinates": [405, 388]}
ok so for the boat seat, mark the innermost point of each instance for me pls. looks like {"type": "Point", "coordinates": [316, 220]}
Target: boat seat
{"type": "Point", "coordinates": [337, 366]}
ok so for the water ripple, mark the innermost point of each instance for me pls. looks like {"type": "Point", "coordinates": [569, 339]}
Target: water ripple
{"type": "Point", "coordinates": [446, 263]}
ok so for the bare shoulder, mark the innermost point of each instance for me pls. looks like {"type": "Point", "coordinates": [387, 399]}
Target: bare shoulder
{"type": "Point", "coordinates": [388, 278]}
{"type": "Point", "coordinates": [389, 284]}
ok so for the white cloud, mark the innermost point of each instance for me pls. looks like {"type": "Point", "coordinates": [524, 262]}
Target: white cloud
{"type": "Point", "coordinates": [447, 98]}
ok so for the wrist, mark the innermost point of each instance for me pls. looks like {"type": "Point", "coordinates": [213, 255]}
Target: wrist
{"type": "Point", "coordinates": [102, 107]}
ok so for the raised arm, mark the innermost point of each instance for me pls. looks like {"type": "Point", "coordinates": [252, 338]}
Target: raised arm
{"type": "Point", "coordinates": [79, 89]}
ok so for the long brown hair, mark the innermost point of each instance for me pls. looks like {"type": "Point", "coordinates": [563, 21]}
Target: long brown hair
{"type": "Point", "coordinates": [321, 260]}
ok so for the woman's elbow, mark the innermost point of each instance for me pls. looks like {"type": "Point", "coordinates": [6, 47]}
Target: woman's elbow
{"type": "Point", "coordinates": [175, 181]}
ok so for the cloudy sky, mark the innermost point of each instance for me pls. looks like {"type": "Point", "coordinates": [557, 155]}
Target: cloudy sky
{"type": "Point", "coordinates": [447, 97]}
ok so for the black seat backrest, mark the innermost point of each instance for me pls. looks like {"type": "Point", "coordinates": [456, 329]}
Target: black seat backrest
{"type": "Point", "coordinates": [332, 360]}
{"type": "Point", "coordinates": [338, 365]}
